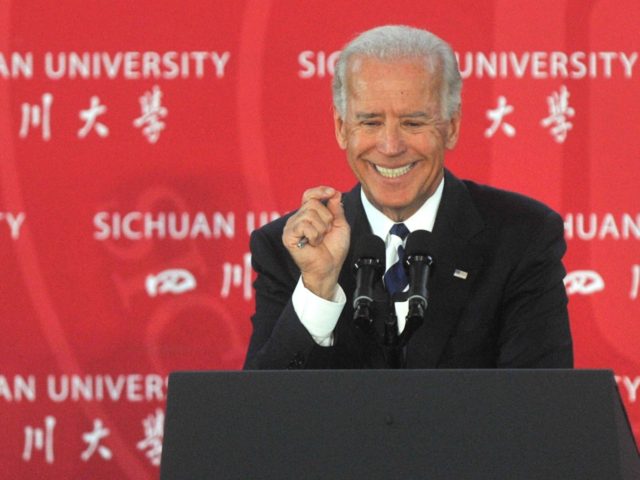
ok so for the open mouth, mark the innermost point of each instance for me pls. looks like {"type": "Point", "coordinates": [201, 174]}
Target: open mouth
{"type": "Point", "coordinates": [393, 172]}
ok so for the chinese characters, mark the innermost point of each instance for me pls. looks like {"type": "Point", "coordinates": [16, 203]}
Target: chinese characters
{"type": "Point", "coordinates": [42, 439]}
{"type": "Point", "coordinates": [39, 116]}
{"type": "Point", "coordinates": [557, 121]}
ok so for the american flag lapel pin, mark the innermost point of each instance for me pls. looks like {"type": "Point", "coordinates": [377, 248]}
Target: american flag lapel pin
{"type": "Point", "coordinates": [460, 274]}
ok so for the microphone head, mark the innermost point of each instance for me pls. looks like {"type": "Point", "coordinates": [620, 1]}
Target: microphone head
{"type": "Point", "coordinates": [370, 249]}
{"type": "Point", "coordinates": [418, 245]}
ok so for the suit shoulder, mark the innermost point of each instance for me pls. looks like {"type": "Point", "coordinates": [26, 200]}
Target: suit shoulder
{"type": "Point", "coordinates": [269, 236]}
{"type": "Point", "coordinates": [267, 250]}
{"type": "Point", "coordinates": [516, 225]}
{"type": "Point", "coordinates": [503, 206]}
{"type": "Point", "coordinates": [273, 228]}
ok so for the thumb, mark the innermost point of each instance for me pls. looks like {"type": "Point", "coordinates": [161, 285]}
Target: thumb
{"type": "Point", "coordinates": [336, 208]}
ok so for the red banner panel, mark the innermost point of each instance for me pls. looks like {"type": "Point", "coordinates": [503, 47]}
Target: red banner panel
{"type": "Point", "coordinates": [142, 142]}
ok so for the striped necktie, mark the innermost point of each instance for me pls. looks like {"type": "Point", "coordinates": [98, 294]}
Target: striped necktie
{"type": "Point", "coordinates": [395, 278]}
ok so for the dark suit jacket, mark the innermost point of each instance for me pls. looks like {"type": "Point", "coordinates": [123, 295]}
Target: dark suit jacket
{"type": "Point", "coordinates": [510, 311]}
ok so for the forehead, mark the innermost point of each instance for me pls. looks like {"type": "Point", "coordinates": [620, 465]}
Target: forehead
{"type": "Point", "coordinates": [401, 81]}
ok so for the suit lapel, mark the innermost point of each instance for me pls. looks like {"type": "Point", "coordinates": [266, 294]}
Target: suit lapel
{"type": "Point", "coordinates": [456, 265]}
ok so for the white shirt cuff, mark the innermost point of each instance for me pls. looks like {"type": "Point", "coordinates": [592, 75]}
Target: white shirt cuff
{"type": "Point", "coordinates": [319, 316]}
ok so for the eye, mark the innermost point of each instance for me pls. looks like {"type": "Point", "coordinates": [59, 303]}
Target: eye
{"type": "Point", "coordinates": [413, 124]}
{"type": "Point", "coordinates": [371, 123]}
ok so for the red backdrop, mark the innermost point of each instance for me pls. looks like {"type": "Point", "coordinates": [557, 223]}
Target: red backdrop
{"type": "Point", "coordinates": [141, 143]}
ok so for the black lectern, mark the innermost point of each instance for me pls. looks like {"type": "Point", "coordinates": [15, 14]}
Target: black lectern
{"type": "Point", "coordinates": [397, 424]}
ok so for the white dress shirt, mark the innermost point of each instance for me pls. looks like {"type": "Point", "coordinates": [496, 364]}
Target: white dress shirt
{"type": "Point", "coordinates": [320, 316]}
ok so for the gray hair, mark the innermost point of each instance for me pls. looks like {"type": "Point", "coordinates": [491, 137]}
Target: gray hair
{"type": "Point", "coordinates": [395, 42]}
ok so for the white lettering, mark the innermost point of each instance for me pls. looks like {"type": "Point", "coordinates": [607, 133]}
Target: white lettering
{"type": "Point", "coordinates": [467, 70]}
{"type": "Point", "coordinates": [184, 65]}
{"type": "Point", "coordinates": [199, 58]}
{"type": "Point", "coordinates": [14, 222]}
{"type": "Point", "coordinates": [79, 65]}
{"type": "Point", "coordinates": [222, 224]}
{"type": "Point", "coordinates": [539, 65]}
{"type": "Point", "coordinates": [130, 65]}
{"type": "Point", "coordinates": [158, 225]}
{"type": "Point", "coordinates": [263, 219]}
{"type": "Point", "coordinates": [176, 226]}
{"type": "Point", "coordinates": [625, 226]}
{"type": "Point", "coordinates": [607, 58]}
{"type": "Point", "coordinates": [220, 62]}
{"type": "Point", "coordinates": [131, 387]}
{"type": "Point", "coordinates": [81, 388]}
{"type": "Point", "coordinates": [630, 385]}
{"type": "Point", "coordinates": [21, 65]}
{"type": "Point", "coordinates": [115, 386]}
{"type": "Point", "coordinates": [304, 59]}
{"type": "Point", "coordinates": [592, 227]}
{"type": "Point", "coordinates": [151, 65]}
{"type": "Point", "coordinates": [568, 226]}
{"type": "Point", "coordinates": [609, 227]}
{"type": "Point", "coordinates": [5, 390]}
{"type": "Point", "coordinates": [53, 71]}
{"type": "Point", "coordinates": [331, 62]}
{"type": "Point", "coordinates": [112, 65]}
{"type": "Point", "coordinates": [128, 219]}
{"type": "Point", "coordinates": [486, 65]}
{"type": "Point", "coordinates": [200, 226]}
{"type": "Point", "coordinates": [58, 394]}
{"type": "Point", "coordinates": [134, 388]}
{"type": "Point", "coordinates": [153, 386]}
{"type": "Point", "coordinates": [535, 64]}
{"type": "Point", "coordinates": [593, 65]}
{"type": "Point", "coordinates": [630, 226]}
{"type": "Point", "coordinates": [558, 61]}
{"type": "Point", "coordinates": [100, 222]}
{"type": "Point", "coordinates": [23, 388]}
{"type": "Point", "coordinates": [519, 67]}
{"type": "Point", "coordinates": [317, 64]}
{"type": "Point", "coordinates": [169, 62]}
{"type": "Point", "coordinates": [628, 62]}
{"type": "Point", "coordinates": [184, 226]}
{"type": "Point", "coordinates": [576, 60]}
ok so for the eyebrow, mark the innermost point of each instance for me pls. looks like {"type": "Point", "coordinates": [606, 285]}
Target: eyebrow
{"type": "Point", "coordinates": [369, 115]}
{"type": "Point", "coordinates": [415, 115]}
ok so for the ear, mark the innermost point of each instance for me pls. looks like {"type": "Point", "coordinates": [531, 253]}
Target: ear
{"type": "Point", "coordinates": [453, 130]}
{"type": "Point", "coordinates": [340, 130]}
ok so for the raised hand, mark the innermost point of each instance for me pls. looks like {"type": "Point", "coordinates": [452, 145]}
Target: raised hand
{"type": "Point", "coordinates": [321, 221]}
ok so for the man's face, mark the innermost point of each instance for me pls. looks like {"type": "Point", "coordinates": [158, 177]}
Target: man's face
{"type": "Point", "coordinates": [393, 133]}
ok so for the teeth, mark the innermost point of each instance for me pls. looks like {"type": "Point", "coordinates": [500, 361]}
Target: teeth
{"type": "Point", "coordinates": [393, 172]}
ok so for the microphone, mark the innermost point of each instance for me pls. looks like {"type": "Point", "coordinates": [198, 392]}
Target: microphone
{"type": "Point", "coordinates": [418, 263]}
{"type": "Point", "coordinates": [368, 268]}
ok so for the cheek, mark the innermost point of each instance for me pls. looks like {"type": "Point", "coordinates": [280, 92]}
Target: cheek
{"type": "Point", "coordinates": [430, 145]}
{"type": "Point", "coordinates": [358, 143]}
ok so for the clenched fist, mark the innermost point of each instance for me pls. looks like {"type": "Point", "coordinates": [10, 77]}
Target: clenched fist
{"type": "Point", "coordinates": [321, 221]}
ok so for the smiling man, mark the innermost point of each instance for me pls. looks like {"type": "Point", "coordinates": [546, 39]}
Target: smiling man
{"type": "Point", "coordinates": [496, 295]}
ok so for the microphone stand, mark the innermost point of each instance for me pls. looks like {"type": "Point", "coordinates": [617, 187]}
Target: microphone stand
{"type": "Point", "coordinates": [391, 344]}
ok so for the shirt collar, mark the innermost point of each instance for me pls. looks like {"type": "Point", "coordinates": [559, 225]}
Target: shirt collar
{"type": "Point", "coordinates": [423, 219]}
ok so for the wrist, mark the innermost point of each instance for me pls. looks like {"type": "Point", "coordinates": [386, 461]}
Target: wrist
{"type": "Point", "coordinates": [322, 287]}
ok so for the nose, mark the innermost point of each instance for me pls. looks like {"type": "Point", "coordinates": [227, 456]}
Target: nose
{"type": "Point", "coordinates": [390, 141]}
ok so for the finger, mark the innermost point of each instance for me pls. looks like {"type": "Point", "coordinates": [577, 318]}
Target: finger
{"type": "Point", "coordinates": [319, 209]}
{"type": "Point", "coordinates": [309, 231]}
{"type": "Point", "coordinates": [318, 227]}
{"type": "Point", "coordinates": [307, 225]}
{"type": "Point", "coordinates": [336, 209]}
{"type": "Point", "coordinates": [318, 193]}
